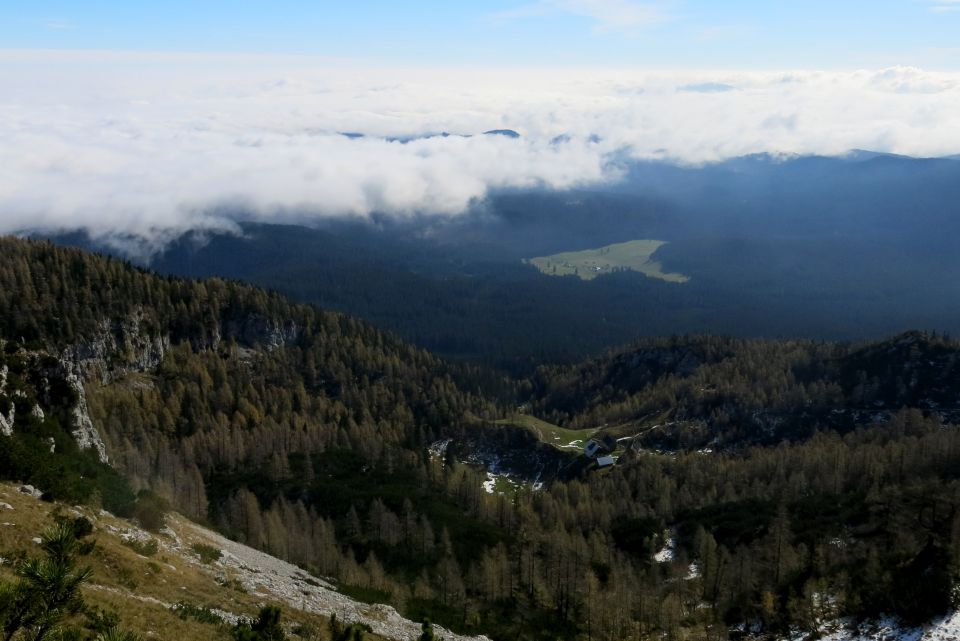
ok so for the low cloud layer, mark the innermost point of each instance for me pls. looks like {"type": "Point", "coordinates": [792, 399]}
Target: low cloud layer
{"type": "Point", "coordinates": [146, 146]}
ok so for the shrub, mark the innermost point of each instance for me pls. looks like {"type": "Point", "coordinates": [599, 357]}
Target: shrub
{"type": "Point", "coordinates": [266, 627]}
{"type": "Point", "coordinates": [207, 553]}
{"type": "Point", "coordinates": [143, 548]}
{"type": "Point", "coordinates": [151, 511]}
{"type": "Point", "coordinates": [202, 614]}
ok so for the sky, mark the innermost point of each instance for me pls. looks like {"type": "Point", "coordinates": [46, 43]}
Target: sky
{"type": "Point", "coordinates": [742, 34]}
{"type": "Point", "coordinates": [138, 121]}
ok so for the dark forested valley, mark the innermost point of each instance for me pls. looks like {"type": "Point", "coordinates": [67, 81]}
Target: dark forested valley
{"type": "Point", "coordinates": [760, 486]}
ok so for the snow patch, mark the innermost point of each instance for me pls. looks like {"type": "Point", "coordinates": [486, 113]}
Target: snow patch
{"type": "Point", "coordinates": [669, 550]}
{"type": "Point", "coordinates": [945, 628]}
{"type": "Point", "coordinates": [490, 483]}
{"type": "Point", "coordinates": [438, 449]}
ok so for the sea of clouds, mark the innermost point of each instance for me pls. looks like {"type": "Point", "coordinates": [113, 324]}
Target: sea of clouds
{"type": "Point", "coordinates": [146, 146]}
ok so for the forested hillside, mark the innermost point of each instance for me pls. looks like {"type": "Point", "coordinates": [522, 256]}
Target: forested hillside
{"type": "Point", "coordinates": [322, 440]}
{"type": "Point", "coordinates": [694, 392]}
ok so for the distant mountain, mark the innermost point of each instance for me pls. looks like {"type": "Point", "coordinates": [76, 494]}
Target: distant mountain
{"type": "Point", "coordinates": [509, 133]}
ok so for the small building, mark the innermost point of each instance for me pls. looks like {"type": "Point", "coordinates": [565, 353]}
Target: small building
{"type": "Point", "coordinates": [605, 461]}
{"type": "Point", "coordinates": [599, 446]}
{"type": "Point", "coordinates": [592, 448]}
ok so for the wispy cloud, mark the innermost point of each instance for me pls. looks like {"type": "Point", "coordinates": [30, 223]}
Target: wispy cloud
{"type": "Point", "coordinates": [59, 25]}
{"type": "Point", "coordinates": [944, 6]}
{"type": "Point", "coordinates": [707, 87]}
{"type": "Point", "coordinates": [606, 15]}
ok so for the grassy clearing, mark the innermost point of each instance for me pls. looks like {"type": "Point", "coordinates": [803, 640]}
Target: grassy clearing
{"type": "Point", "coordinates": [636, 255]}
{"type": "Point", "coordinates": [549, 433]}
{"type": "Point", "coordinates": [505, 485]}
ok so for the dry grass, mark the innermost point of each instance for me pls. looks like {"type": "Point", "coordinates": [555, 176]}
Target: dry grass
{"type": "Point", "coordinates": [138, 588]}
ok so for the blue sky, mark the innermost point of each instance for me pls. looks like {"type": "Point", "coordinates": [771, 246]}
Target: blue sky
{"type": "Point", "coordinates": [669, 34]}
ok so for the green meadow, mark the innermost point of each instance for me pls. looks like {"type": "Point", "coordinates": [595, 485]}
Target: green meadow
{"type": "Point", "coordinates": [549, 433]}
{"type": "Point", "coordinates": [636, 255]}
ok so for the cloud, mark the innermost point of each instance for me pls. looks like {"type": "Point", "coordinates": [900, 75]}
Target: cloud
{"type": "Point", "coordinates": [606, 15]}
{"type": "Point", "coordinates": [59, 25]}
{"type": "Point", "coordinates": [707, 87]}
{"type": "Point", "coordinates": [137, 148]}
{"type": "Point", "coordinates": [944, 6]}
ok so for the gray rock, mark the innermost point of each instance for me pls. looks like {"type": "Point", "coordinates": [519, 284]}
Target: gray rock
{"type": "Point", "coordinates": [255, 329]}
{"type": "Point", "coordinates": [98, 356]}
{"type": "Point", "coordinates": [6, 422]}
{"type": "Point", "coordinates": [84, 433]}
{"type": "Point", "coordinates": [30, 490]}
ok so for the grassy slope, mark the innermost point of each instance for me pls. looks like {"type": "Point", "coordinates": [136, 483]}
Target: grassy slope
{"type": "Point", "coordinates": [636, 255]}
{"type": "Point", "coordinates": [139, 588]}
{"type": "Point", "coordinates": [549, 433]}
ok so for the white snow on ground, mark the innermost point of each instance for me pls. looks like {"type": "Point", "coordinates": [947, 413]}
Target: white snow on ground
{"type": "Point", "coordinates": [668, 552]}
{"type": "Point", "coordinates": [946, 628]}
{"type": "Point", "coordinates": [490, 483]}
{"type": "Point", "coordinates": [438, 449]}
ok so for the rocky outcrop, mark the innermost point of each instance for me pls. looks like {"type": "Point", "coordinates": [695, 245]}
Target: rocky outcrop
{"type": "Point", "coordinates": [118, 348]}
{"type": "Point", "coordinates": [6, 421]}
{"type": "Point", "coordinates": [83, 431]}
{"type": "Point", "coordinates": [115, 349]}
{"type": "Point", "coordinates": [255, 329]}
